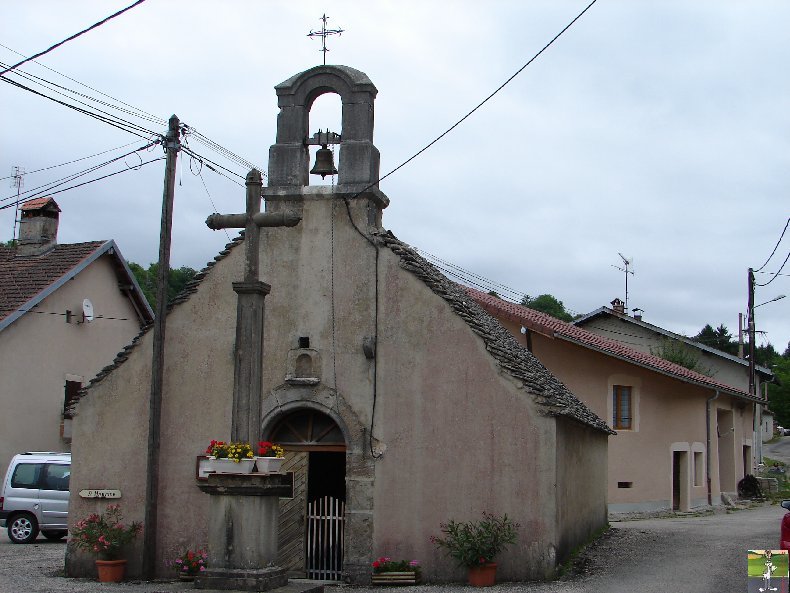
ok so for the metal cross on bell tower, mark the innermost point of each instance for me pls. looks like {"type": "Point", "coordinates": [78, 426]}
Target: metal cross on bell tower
{"type": "Point", "coordinates": [323, 34]}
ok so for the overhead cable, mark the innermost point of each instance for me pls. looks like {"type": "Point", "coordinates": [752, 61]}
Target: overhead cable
{"type": "Point", "coordinates": [775, 247]}
{"type": "Point", "coordinates": [57, 45]}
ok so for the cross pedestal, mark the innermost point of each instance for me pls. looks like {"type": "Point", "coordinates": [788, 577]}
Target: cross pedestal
{"type": "Point", "coordinates": [244, 518]}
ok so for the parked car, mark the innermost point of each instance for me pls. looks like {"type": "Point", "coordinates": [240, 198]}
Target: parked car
{"type": "Point", "coordinates": [35, 496]}
{"type": "Point", "coordinates": [784, 530]}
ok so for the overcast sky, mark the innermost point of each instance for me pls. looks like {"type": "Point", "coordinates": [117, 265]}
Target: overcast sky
{"type": "Point", "coordinates": [659, 130]}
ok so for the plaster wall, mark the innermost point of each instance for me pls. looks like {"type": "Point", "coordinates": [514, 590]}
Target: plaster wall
{"type": "Point", "coordinates": [196, 402]}
{"type": "Point", "coordinates": [40, 351]}
{"type": "Point", "coordinates": [458, 436]}
{"type": "Point", "coordinates": [669, 415]}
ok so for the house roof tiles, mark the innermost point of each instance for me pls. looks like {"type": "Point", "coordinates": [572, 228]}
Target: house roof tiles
{"type": "Point", "coordinates": [551, 326]}
{"type": "Point", "coordinates": [24, 277]}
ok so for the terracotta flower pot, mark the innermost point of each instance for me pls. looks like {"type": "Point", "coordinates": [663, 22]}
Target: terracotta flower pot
{"type": "Point", "coordinates": [483, 575]}
{"type": "Point", "coordinates": [111, 571]}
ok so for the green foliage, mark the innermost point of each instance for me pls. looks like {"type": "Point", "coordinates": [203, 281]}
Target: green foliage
{"type": "Point", "coordinates": [718, 338]}
{"type": "Point", "coordinates": [104, 534]}
{"type": "Point", "coordinates": [779, 390]}
{"type": "Point", "coordinates": [548, 304]}
{"type": "Point", "coordinates": [147, 279]}
{"type": "Point", "coordinates": [475, 543]}
{"type": "Point", "coordinates": [679, 353]}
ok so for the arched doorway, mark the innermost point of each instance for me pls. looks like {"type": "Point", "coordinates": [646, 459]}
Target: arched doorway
{"type": "Point", "coordinates": [312, 522]}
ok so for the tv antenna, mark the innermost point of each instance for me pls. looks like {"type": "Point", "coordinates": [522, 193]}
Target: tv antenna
{"type": "Point", "coordinates": [627, 261]}
{"type": "Point", "coordinates": [17, 181]}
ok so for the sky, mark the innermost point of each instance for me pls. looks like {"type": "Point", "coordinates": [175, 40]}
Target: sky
{"type": "Point", "coordinates": [655, 130]}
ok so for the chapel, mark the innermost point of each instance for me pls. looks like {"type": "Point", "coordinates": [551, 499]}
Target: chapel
{"type": "Point", "coordinates": [400, 402]}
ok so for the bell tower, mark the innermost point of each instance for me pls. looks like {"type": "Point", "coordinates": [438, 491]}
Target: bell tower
{"type": "Point", "coordinates": [289, 157]}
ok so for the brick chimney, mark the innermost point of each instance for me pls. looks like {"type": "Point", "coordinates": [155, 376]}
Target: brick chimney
{"type": "Point", "coordinates": [618, 307]}
{"type": "Point", "coordinates": [38, 226]}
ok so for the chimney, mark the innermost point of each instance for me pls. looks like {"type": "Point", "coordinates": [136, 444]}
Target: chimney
{"type": "Point", "coordinates": [618, 307]}
{"type": "Point", "coordinates": [638, 313]}
{"type": "Point", "coordinates": [38, 226]}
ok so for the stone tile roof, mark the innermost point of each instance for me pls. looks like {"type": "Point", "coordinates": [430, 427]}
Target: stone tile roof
{"type": "Point", "coordinates": [512, 357]}
{"type": "Point", "coordinates": [551, 326]}
{"type": "Point", "coordinates": [22, 278]}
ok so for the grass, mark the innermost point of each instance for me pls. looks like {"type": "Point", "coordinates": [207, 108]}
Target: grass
{"type": "Point", "coordinates": [780, 476]}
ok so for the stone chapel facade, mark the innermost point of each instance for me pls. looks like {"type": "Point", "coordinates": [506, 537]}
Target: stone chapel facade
{"type": "Point", "coordinates": [395, 395]}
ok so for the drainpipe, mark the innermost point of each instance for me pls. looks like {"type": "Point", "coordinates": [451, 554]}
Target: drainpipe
{"type": "Point", "coordinates": [707, 444]}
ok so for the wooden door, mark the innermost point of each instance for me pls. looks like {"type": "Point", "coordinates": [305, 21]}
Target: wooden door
{"type": "Point", "coordinates": [293, 517]}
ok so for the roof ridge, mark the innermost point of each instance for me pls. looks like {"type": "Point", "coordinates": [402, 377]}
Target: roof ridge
{"type": "Point", "coordinates": [609, 345]}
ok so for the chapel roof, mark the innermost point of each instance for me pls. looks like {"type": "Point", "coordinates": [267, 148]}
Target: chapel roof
{"type": "Point", "coordinates": [554, 398]}
{"type": "Point", "coordinates": [25, 280]}
{"type": "Point", "coordinates": [551, 326]}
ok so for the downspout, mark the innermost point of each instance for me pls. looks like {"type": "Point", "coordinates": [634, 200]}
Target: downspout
{"type": "Point", "coordinates": [707, 444]}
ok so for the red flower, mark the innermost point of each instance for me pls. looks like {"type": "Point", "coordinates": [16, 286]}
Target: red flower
{"type": "Point", "coordinates": [376, 564]}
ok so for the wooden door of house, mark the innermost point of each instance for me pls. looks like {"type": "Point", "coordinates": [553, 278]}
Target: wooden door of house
{"type": "Point", "coordinates": [312, 522]}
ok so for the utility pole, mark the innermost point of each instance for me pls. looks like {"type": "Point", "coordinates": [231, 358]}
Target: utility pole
{"type": "Point", "coordinates": [172, 147]}
{"type": "Point", "coordinates": [750, 321]}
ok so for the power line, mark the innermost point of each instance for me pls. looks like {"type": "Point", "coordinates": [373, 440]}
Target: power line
{"type": "Point", "coordinates": [114, 121]}
{"type": "Point", "coordinates": [45, 188]}
{"type": "Point", "coordinates": [161, 121]}
{"type": "Point", "coordinates": [71, 162]}
{"type": "Point", "coordinates": [775, 247]}
{"type": "Point", "coordinates": [57, 45]}
{"type": "Point", "coordinates": [94, 180]}
{"type": "Point", "coordinates": [479, 105]}
{"type": "Point", "coordinates": [775, 274]}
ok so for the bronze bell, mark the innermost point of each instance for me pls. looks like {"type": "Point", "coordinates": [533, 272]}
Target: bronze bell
{"type": "Point", "coordinates": [324, 163]}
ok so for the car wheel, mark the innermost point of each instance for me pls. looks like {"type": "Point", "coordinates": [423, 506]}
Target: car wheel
{"type": "Point", "coordinates": [22, 529]}
{"type": "Point", "coordinates": [54, 535]}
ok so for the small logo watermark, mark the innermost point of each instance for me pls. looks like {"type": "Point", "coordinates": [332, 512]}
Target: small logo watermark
{"type": "Point", "coordinates": [768, 571]}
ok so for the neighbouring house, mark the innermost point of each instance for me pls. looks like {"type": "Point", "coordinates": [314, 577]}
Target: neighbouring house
{"type": "Point", "coordinates": [396, 397]}
{"type": "Point", "coordinates": [65, 309]}
{"type": "Point", "coordinates": [683, 438]}
{"type": "Point", "coordinates": [615, 323]}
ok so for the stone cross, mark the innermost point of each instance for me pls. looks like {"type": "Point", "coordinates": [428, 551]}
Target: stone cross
{"type": "Point", "coordinates": [246, 419]}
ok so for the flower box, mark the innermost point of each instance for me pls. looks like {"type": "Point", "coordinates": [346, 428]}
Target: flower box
{"type": "Point", "coordinates": [409, 577]}
{"type": "Point", "coordinates": [268, 465]}
{"type": "Point", "coordinates": [228, 466]}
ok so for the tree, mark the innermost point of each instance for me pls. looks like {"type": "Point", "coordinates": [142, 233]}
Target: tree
{"type": "Point", "coordinates": [779, 390]}
{"type": "Point", "coordinates": [678, 352]}
{"type": "Point", "coordinates": [147, 280]}
{"type": "Point", "coordinates": [548, 304]}
{"type": "Point", "coordinates": [719, 338]}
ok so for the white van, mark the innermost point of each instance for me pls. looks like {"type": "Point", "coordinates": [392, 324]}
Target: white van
{"type": "Point", "coordinates": [35, 496]}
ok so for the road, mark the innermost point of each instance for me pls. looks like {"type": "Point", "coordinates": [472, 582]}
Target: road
{"type": "Point", "coordinates": [780, 450]}
{"type": "Point", "coordinates": [690, 554]}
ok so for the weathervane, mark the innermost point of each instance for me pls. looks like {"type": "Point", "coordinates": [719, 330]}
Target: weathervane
{"type": "Point", "coordinates": [323, 34]}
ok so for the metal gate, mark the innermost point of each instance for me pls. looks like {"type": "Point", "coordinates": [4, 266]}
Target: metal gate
{"type": "Point", "coordinates": [325, 528]}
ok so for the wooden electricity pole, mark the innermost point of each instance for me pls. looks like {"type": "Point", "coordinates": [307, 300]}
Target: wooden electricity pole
{"type": "Point", "coordinates": [172, 147]}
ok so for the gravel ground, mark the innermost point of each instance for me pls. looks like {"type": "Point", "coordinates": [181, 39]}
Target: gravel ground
{"type": "Point", "coordinates": [690, 553]}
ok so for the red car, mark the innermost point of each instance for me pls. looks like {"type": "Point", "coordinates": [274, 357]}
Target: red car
{"type": "Point", "coordinates": [784, 534]}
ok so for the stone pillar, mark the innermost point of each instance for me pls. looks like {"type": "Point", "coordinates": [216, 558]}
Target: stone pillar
{"type": "Point", "coordinates": [246, 419]}
{"type": "Point", "coordinates": [244, 520]}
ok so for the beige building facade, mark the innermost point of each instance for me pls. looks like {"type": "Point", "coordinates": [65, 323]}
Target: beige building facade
{"type": "Point", "coordinates": [687, 439]}
{"type": "Point", "coordinates": [394, 394]}
{"type": "Point", "coordinates": [49, 348]}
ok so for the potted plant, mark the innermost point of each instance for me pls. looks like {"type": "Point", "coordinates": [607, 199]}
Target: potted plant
{"type": "Point", "coordinates": [230, 458]}
{"type": "Point", "coordinates": [475, 544]}
{"type": "Point", "coordinates": [105, 535]}
{"type": "Point", "coordinates": [270, 457]}
{"type": "Point", "coordinates": [387, 571]}
{"type": "Point", "coordinates": [190, 563]}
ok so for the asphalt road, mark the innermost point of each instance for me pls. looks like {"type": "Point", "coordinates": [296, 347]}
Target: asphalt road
{"type": "Point", "coordinates": [780, 450]}
{"type": "Point", "coordinates": [690, 554]}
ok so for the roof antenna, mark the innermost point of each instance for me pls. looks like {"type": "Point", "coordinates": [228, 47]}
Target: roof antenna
{"type": "Point", "coordinates": [626, 262]}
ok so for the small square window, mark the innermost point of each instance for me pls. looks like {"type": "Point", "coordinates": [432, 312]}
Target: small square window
{"type": "Point", "coordinates": [625, 484]}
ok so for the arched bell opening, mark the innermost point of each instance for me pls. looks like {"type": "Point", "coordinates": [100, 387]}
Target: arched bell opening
{"type": "Point", "coordinates": [324, 114]}
{"type": "Point", "coordinates": [312, 523]}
